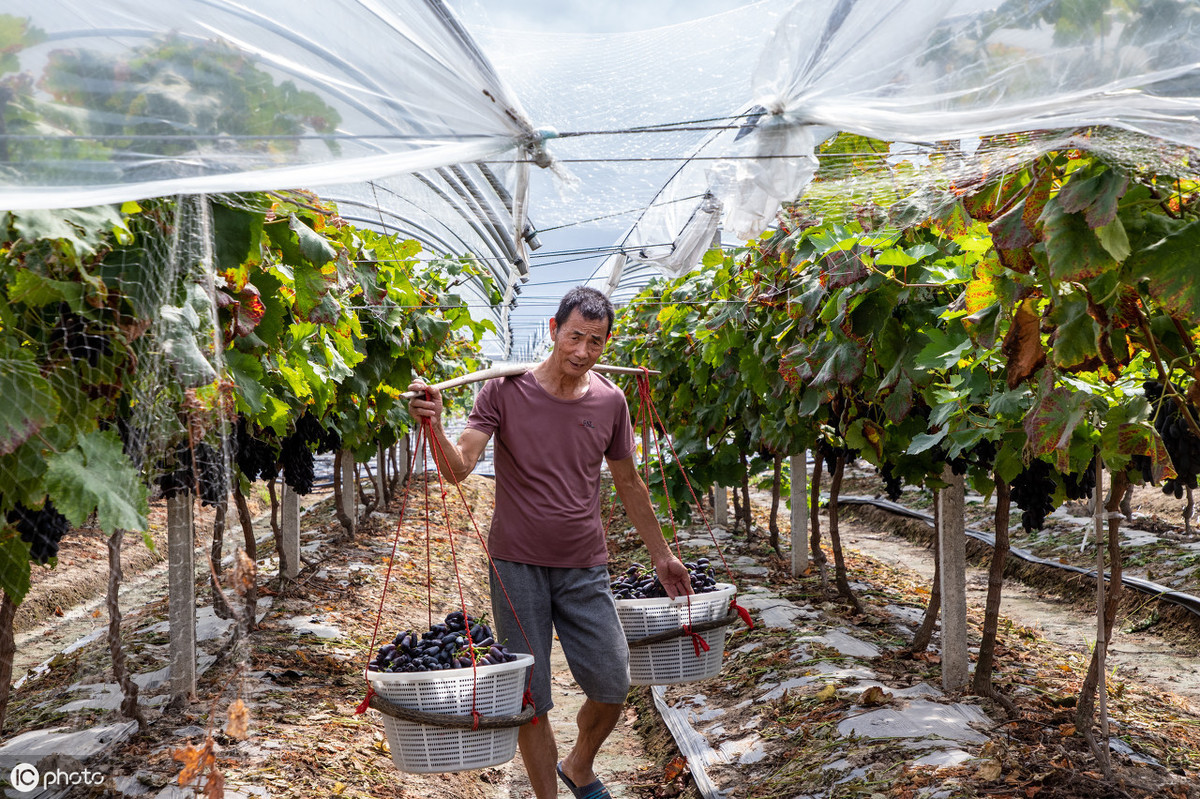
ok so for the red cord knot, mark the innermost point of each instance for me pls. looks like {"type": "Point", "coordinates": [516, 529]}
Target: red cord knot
{"type": "Point", "coordinates": [698, 642]}
{"type": "Point", "coordinates": [741, 611]}
{"type": "Point", "coordinates": [366, 703]}
{"type": "Point", "coordinates": [526, 701]}
{"type": "Point", "coordinates": [475, 717]}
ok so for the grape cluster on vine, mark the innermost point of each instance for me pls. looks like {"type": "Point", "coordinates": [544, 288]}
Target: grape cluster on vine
{"type": "Point", "coordinates": [1183, 446]}
{"type": "Point", "coordinates": [297, 461]}
{"type": "Point", "coordinates": [207, 471]}
{"type": "Point", "coordinates": [1033, 492]}
{"type": "Point", "coordinates": [255, 456]}
{"type": "Point", "coordinates": [72, 334]}
{"type": "Point", "coordinates": [42, 529]}
{"type": "Point", "coordinates": [458, 642]}
{"type": "Point", "coordinates": [1079, 485]}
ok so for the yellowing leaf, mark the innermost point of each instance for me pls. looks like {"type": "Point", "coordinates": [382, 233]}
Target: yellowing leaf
{"type": "Point", "coordinates": [827, 693]}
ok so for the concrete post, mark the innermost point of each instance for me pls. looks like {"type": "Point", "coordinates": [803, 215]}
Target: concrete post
{"type": "Point", "coordinates": [380, 475]}
{"type": "Point", "coordinates": [349, 488]}
{"type": "Point", "coordinates": [289, 530]}
{"type": "Point", "coordinates": [402, 460]}
{"type": "Point", "coordinates": [720, 506]}
{"type": "Point", "coordinates": [952, 537]}
{"type": "Point", "coordinates": [181, 602]}
{"type": "Point", "coordinates": [799, 498]}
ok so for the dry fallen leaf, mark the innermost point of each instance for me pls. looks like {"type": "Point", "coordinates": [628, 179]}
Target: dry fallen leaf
{"type": "Point", "coordinates": [875, 696]}
{"type": "Point", "coordinates": [1066, 730]}
{"type": "Point", "coordinates": [674, 768]}
{"type": "Point", "coordinates": [826, 693]}
{"type": "Point", "coordinates": [214, 785]}
{"type": "Point", "coordinates": [989, 770]}
{"type": "Point", "coordinates": [243, 572]}
{"type": "Point", "coordinates": [194, 759]}
{"type": "Point", "coordinates": [239, 720]}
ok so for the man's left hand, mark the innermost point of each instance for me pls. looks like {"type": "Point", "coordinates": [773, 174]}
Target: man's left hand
{"type": "Point", "coordinates": [674, 576]}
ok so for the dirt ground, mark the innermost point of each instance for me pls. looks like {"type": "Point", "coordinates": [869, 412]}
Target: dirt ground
{"type": "Point", "coordinates": [305, 739]}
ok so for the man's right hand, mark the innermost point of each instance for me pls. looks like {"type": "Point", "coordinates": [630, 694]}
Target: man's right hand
{"type": "Point", "coordinates": [428, 405]}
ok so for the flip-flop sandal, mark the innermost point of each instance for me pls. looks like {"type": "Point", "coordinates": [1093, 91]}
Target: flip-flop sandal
{"type": "Point", "coordinates": [593, 790]}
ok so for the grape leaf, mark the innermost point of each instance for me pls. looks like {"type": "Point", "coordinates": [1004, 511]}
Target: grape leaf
{"type": "Point", "coordinates": [1077, 337]}
{"type": "Point", "coordinates": [1023, 344]}
{"type": "Point", "coordinates": [85, 228]}
{"type": "Point", "coordinates": [1050, 423]}
{"type": "Point", "coordinates": [1169, 265]}
{"type": "Point", "coordinates": [1074, 250]}
{"type": "Point", "coordinates": [97, 476]}
{"type": "Point", "coordinates": [180, 328]}
{"type": "Point", "coordinates": [29, 404]}
{"type": "Point", "coordinates": [313, 246]}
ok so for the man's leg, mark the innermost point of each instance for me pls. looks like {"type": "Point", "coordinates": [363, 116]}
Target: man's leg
{"type": "Point", "coordinates": [596, 721]}
{"type": "Point", "coordinates": [540, 754]}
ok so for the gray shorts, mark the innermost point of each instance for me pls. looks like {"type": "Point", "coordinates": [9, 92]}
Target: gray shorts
{"type": "Point", "coordinates": [578, 605]}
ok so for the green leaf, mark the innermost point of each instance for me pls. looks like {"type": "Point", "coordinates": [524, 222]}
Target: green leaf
{"type": "Point", "coordinates": [1169, 265]}
{"type": "Point", "coordinates": [1078, 335]}
{"type": "Point", "coordinates": [29, 403]}
{"type": "Point", "coordinates": [1114, 239]}
{"type": "Point", "coordinates": [313, 303]}
{"type": "Point", "coordinates": [1050, 423]}
{"type": "Point", "coordinates": [35, 291]}
{"type": "Point", "coordinates": [14, 564]}
{"type": "Point", "coordinates": [842, 364]}
{"type": "Point", "coordinates": [247, 373]}
{"type": "Point", "coordinates": [85, 228]}
{"type": "Point", "coordinates": [944, 350]}
{"type": "Point", "coordinates": [923, 441]}
{"type": "Point", "coordinates": [1096, 195]}
{"type": "Point", "coordinates": [96, 476]}
{"type": "Point", "coordinates": [235, 230]}
{"type": "Point", "coordinates": [313, 246]}
{"type": "Point", "coordinates": [179, 331]}
{"type": "Point", "coordinates": [1072, 247]}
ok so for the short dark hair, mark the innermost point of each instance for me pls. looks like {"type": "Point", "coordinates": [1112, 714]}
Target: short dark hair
{"type": "Point", "coordinates": [590, 303]}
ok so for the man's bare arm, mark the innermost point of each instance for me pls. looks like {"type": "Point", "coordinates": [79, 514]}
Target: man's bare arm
{"type": "Point", "coordinates": [457, 459]}
{"type": "Point", "coordinates": [636, 499]}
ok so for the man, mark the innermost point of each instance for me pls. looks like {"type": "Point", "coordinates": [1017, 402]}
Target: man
{"type": "Point", "coordinates": [554, 425]}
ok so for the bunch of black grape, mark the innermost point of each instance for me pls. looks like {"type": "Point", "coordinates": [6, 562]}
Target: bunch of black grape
{"type": "Point", "coordinates": [255, 456]}
{"type": "Point", "coordinates": [982, 454]}
{"type": "Point", "coordinates": [1033, 492]}
{"type": "Point", "coordinates": [41, 529]}
{"type": "Point", "coordinates": [639, 582]}
{"type": "Point", "coordinates": [1183, 446]}
{"type": "Point", "coordinates": [73, 335]}
{"type": "Point", "coordinates": [1079, 485]}
{"type": "Point", "coordinates": [182, 477]}
{"type": "Point", "coordinates": [297, 461]}
{"type": "Point", "coordinates": [310, 430]}
{"type": "Point", "coordinates": [444, 646]}
{"type": "Point", "coordinates": [891, 481]}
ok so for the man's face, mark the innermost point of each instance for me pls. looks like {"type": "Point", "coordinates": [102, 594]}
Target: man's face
{"type": "Point", "coordinates": [578, 343]}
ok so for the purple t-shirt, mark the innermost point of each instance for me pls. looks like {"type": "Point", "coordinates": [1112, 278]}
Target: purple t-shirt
{"type": "Point", "coordinates": [548, 453]}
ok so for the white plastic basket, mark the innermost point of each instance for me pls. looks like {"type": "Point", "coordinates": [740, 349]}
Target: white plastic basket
{"type": "Point", "coordinates": [674, 661]}
{"type": "Point", "coordinates": [424, 748]}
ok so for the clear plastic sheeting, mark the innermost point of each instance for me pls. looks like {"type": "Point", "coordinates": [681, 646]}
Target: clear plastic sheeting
{"type": "Point", "coordinates": [131, 98]}
{"type": "Point", "coordinates": [960, 82]}
{"type": "Point", "coordinates": [937, 70]}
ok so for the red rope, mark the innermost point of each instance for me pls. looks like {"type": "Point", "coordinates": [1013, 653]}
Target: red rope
{"type": "Point", "coordinates": [527, 698]}
{"type": "Point", "coordinates": [652, 412]}
{"type": "Point", "coordinates": [362, 708]}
